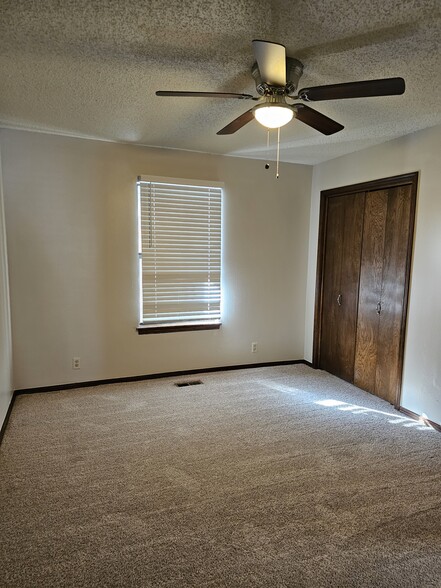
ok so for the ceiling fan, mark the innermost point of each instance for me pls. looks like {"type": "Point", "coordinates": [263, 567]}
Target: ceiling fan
{"type": "Point", "coordinates": [277, 77]}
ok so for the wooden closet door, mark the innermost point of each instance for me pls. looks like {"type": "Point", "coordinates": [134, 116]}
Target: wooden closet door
{"type": "Point", "coordinates": [380, 324]}
{"type": "Point", "coordinates": [371, 279]}
{"type": "Point", "coordinates": [397, 248]}
{"type": "Point", "coordinates": [364, 255]}
{"type": "Point", "coordinates": [331, 284]}
{"type": "Point", "coordinates": [340, 284]}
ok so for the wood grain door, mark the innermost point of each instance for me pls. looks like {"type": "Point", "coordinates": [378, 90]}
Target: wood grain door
{"type": "Point", "coordinates": [340, 284]}
{"type": "Point", "coordinates": [391, 326]}
{"type": "Point", "coordinates": [370, 292]}
{"type": "Point", "coordinates": [365, 245]}
{"type": "Point", "coordinates": [386, 241]}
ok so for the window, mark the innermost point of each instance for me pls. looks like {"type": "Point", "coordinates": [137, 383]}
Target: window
{"type": "Point", "coordinates": [179, 254]}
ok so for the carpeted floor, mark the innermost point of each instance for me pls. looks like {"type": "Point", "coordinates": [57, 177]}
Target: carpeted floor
{"type": "Point", "coordinates": [267, 477]}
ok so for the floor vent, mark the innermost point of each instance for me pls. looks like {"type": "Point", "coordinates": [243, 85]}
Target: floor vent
{"type": "Point", "coordinates": [188, 383]}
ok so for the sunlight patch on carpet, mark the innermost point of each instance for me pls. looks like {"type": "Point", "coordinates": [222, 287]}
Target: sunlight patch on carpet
{"type": "Point", "coordinates": [355, 409]}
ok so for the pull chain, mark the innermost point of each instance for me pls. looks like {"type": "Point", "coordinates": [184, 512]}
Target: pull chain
{"type": "Point", "coordinates": [278, 152]}
{"type": "Point", "coordinates": [267, 148]}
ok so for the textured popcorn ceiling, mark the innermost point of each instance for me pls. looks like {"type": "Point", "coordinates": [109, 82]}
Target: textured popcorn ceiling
{"type": "Point", "coordinates": [91, 68]}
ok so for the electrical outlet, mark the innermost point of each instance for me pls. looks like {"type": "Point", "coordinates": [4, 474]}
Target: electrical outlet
{"type": "Point", "coordinates": [76, 363]}
{"type": "Point", "coordinates": [254, 347]}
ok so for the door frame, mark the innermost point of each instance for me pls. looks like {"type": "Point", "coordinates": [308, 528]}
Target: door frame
{"type": "Point", "coordinates": [409, 179]}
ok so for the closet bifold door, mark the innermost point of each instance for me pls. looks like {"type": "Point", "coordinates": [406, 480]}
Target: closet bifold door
{"type": "Point", "coordinates": [363, 272]}
{"type": "Point", "coordinates": [387, 232]}
{"type": "Point", "coordinates": [344, 224]}
{"type": "Point", "coordinates": [371, 279]}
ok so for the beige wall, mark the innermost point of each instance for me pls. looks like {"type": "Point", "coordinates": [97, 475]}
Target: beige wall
{"type": "Point", "coordinates": [71, 226]}
{"type": "Point", "coordinates": [417, 152]}
{"type": "Point", "coordinates": [6, 385]}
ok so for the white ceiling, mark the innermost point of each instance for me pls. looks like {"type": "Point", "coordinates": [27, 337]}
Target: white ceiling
{"type": "Point", "coordinates": [91, 68]}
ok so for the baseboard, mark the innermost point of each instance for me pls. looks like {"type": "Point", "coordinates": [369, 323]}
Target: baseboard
{"type": "Point", "coordinates": [417, 417]}
{"type": "Point", "coordinates": [159, 375]}
{"type": "Point", "coordinates": [8, 414]}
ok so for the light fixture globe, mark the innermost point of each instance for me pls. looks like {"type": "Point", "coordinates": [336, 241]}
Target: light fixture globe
{"type": "Point", "coordinates": [273, 115]}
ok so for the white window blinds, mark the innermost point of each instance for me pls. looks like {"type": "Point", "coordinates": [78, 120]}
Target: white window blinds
{"type": "Point", "coordinates": [180, 252]}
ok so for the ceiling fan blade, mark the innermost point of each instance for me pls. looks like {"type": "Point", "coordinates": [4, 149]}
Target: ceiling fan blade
{"type": "Point", "coordinates": [237, 123]}
{"type": "Point", "coordinates": [271, 60]}
{"type": "Point", "coordinates": [316, 120]}
{"type": "Point", "coordinates": [385, 87]}
{"type": "Point", "coordinates": [206, 95]}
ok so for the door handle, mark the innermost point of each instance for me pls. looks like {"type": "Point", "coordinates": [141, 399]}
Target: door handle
{"type": "Point", "coordinates": [378, 307]}
{"type": "Point", "coordinates": [339, 299]}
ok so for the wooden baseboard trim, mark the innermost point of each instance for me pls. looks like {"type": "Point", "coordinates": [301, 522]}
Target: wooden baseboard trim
{"type": "Point", "coordinates": [160, 375]}
{"type": "Point", "coordinates": [417, 417]}
{"type": "Point", "coordinates": [8, 414]}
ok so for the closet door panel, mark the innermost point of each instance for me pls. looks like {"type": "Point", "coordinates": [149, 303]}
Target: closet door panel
{"type": "Point", "coordinates": [349, 284]}
{"type": "Point", "coordinates": [371, 276]}
{"type": "Point", "coordinates": [340, 284]}
{"type": "Point", "coordinates": [391, 326]}
{"type": "Point", "coordinates": [331, 284]}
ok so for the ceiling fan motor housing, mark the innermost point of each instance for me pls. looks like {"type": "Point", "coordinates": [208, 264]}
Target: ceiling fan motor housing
{"type": "Point", "coordinates": [273, 100]}
{"type": "Point", "coordinates": [294, 70]}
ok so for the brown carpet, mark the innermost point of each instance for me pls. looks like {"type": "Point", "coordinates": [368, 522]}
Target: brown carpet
{"type": "Point", "coordinates": [266, 477]}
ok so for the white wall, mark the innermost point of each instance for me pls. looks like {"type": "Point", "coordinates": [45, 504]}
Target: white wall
{"type": "Point", "coordinates": [6, 386]}
{"type": "Point", "coordinates": [71, 227]}
{"type": "Point", "coordinates": [421, 391]}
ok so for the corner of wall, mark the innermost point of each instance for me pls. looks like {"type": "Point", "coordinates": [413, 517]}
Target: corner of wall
{"type": "Point", "coordinates": [6, 383]}
{"type": "Point", "coordinates": [312, 265]}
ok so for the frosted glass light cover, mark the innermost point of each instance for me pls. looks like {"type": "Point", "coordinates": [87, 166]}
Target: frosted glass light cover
{"type": "Point", "coordinates": [273, 117]}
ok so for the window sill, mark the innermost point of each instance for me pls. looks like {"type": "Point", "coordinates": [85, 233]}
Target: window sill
{"type": "Point", "coordinates": [176, 327]}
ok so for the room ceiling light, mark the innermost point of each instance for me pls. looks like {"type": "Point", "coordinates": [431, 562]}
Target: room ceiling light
{"type": "Point", "coordinates": [273, 116]}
